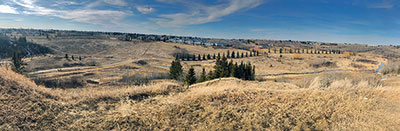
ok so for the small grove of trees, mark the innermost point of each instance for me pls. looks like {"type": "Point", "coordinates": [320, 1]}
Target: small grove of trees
{"type": "Point", "coordinates": [222, 68]}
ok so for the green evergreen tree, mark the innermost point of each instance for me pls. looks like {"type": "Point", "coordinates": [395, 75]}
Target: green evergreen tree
{"type": "Point", "coordinates": [242, 71]}
{"type": "Point", "coordinates": [175, 70]}
{"type": "Point", "coordinates": [230, 69]}
{"type": "Point", "coordinates": [204, 56]}
{"type": "Point", "coordinates": [236, 71]}
{"type": "Point", "coordinates": [214, 56]}
{"type": "Point", "coordinates": [228, 55]}
{"type": "Point", "coordinates": [208, 57]}
{"type": "Point", "coordinates": [18, 65]}
{"type": "Point", "coordinates": [237, 54]}
{"type": "Point", "coordinates": [194, 57]}
{"type": "Point", "coordinates": [182, 57]}
{"type": "Point", "coordinates": [251, 54]}
{"type": "Point", "coordinates": [199, 57]}
{"type": "Point", "coordinates": [191, 77]}
{"type": "Point", "coordinates": [247, 54]}
{"type": "Point", "coordinates": [233, 54]}
{"type": "Point", "coordinates": [210, 75]}
{"type": "Point", "coordinates": [280, 50]}
{"type": "Point", "coordinates": [203, 76]}
{"type": "Point", "coordinates": [242, 55]}
{"type": "Point", "coordinates": [188, 57]}
{"type": "Point", "coordinates": [253, 73]}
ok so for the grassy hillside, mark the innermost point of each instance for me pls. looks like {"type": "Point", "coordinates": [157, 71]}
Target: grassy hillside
{"type": "Point", "coordinates": [344, 104]}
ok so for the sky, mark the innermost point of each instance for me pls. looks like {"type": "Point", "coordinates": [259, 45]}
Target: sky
{"type": "Point", "coordinates": [344, 21]}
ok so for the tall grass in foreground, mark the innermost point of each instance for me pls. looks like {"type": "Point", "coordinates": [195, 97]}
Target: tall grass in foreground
{"type": "Point", "coordinates": [223, 104]}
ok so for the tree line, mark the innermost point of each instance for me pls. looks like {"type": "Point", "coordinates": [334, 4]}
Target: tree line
{"type": "Point", "coordinates": [201, 57]}
{"type": "Point", "coordinates": [222, 68]}
{"type": "Point", "coordinates": [303, 51]}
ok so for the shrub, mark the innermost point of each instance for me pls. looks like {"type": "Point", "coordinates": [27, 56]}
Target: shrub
{"type": "Point", "coordinates": [322, 63]}
{"type": "Point", "coordinates": [141, 62]}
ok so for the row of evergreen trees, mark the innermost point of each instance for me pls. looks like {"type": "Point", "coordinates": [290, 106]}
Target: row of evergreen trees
{"type": "Point", "coordinates": [222, 68]}
{"type": "Point", "coordinates": [304, 51]}
{"type": "Point", "coordinates": [199, 57]}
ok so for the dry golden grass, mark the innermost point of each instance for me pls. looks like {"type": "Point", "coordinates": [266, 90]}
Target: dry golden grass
{"type": "Point", "coordinates": [351, 103]}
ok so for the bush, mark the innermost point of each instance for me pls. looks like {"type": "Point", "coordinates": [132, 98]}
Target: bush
{"type": "Point", "coordinates": [73, 82]}
{"type": "Point", "coordinates": [322, 63]}
{"type": "Point", "coordinates": [141, 62]}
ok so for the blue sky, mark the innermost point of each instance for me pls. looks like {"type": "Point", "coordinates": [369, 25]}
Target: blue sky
{"type": "Point", "coordinates": [344, 21]}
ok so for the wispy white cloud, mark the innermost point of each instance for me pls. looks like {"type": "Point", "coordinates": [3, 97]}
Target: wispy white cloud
{"type": "Point", "coordinates": [8, 9]}
{"type": "Point", "coordinates": [382, 5]}
{"type": "Point", "coordinates": [116, 2]}
{"type": "Point", "coordinates": [85, 15]}
{"type": "Point", "coordinates": [145, 10]}
{"type": "Point", "coordinates": [205, 14]}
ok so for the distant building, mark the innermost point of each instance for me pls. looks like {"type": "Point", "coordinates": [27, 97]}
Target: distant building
{"type": "Point", "coordinates": [221, 44]}
{"type": "Point", "coordinates": [209, 44]}
{"type": "Point", "coordinates": [198, 43]}
{"type": "Point", "coordinates": [264, 46]}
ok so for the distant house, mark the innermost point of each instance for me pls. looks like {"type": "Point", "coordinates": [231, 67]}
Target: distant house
{"type": "Point", "coordinates": [264, 46]}
{"type": "Point", "coordinates": [152, 38]}
{"type": "Point", "coordinates": [198, 43]}
{"type": "Point", "coordinates": [221, 44]}
{"type": "Point", "coordinates": [188, 41]}
{"type": "Point", "coordinates": [179, 41]}
{"type": "Point", "coordinates": [209, 44]}
{"type": "Point", "coordinates": [140, 38]}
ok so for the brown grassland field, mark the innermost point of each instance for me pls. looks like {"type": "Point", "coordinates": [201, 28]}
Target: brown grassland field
{"type": "Point", "coordinates": [312, 92]}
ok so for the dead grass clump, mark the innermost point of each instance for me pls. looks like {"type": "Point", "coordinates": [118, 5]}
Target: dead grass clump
{"type": "Point", "coordinates": [322, 63]}
{"type": "Point", "coordinates": [358, 66]}
{"type": "Point", "coordinates": [367, 61]}
{"type": "Point", "coordinates": [339, 79]}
